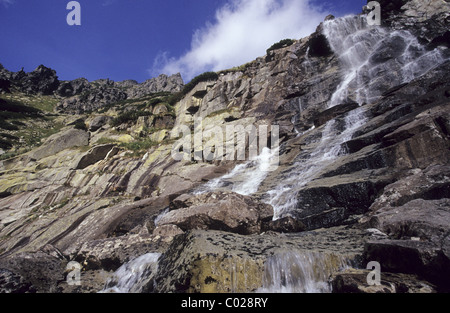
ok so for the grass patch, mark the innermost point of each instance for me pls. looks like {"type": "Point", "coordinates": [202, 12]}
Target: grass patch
{"type": "Point", "coordinates": [105, 141]}
{"type": "Point", "coordinates": [130, 116]}
{"type": "Point", "coordinates": [39, 103]}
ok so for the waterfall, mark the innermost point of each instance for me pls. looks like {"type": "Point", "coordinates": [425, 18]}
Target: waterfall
{"type": "Point", "coordinates": [375, 58]}
{"type": "Point", "coordinates": [134, 276]}
{"type": "Point", "coordinates": [301, 272]}
{"type": "Point", "coordinates": [311, 161]}
{"type": "Point", "coordinates": [245, 178]}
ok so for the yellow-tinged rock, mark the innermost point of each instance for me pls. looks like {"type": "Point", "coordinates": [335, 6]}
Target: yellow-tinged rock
{"type": "Point", "coordinates": [125, 139]}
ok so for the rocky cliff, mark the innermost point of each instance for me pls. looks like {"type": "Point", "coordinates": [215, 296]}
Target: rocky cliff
{"type": "Point", "coordinates": [363, 173]}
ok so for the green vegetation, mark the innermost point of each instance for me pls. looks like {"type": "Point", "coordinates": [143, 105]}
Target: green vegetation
{"type": "Point", "coordinates": [32, 102]}
{"type": "Point", "coordinates": [129, 116]}
{"type": "Point", "coordinates": [80, 124]}
{"type": "Point", "coordinates": [106, 140]}
{"type": "Point", "coordinates": [139, 145]}
{"type": "Point", "coordinates": [281, 44]}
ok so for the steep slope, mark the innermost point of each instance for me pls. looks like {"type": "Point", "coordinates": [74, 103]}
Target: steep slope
{"type": "Point", "coordinates": [363, 120]}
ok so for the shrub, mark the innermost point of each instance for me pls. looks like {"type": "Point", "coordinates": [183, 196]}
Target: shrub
{"type": "Point", "coordinates": [80, 124]}
{"type": "Point", "coordinates": [141, 145]}
{"type": "Point", "coordinates": [129, 116]}
{"type": "Point", "coordinates": [281, 44]}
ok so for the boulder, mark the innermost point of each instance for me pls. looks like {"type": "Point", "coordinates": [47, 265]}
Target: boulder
{"type": "Point", "coordinates": [110, 253]}
{"type": "Point", "coordinates": [14, 283]}
{"type": "Point", "coordinates": [32, 272]}
{"type": "Point", "coordinates": [220, 211]}
{"type": "Point", "coordinates": [355, 281]}
{"type": "Point", "coordinates": [69, 138]}
{"type": "Point", "coordinates": [423, 258]}
{"type": "Point", "coordinates": [98, 122]}
{"type": "Point", "coordinates": [97, 154]}
{"type": "Point", "coordinates": [221, 262]}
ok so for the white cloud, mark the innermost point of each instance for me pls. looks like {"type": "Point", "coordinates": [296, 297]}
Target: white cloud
{"type": "Point", "coordinates": [242, 31]}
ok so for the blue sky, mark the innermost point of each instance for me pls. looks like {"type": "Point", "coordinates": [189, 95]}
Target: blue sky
{"type": "Point", "coordinates": [139, 39]}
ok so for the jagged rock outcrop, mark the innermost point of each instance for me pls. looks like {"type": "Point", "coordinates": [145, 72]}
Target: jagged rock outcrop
{"type": "Point", "coordinates": [173, 83]}
{"type": "Point", "coordinates": [41, 81]}
{"type": "Point", "coordinates": [81, 96]}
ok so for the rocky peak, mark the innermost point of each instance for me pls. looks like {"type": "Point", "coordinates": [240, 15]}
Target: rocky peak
{"type": "Point", "coordinates": [41, 81]}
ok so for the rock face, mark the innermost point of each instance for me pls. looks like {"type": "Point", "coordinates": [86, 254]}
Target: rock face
{"type": "Point", "coordinates": [81, 96]}
{"type": "Point", "coordinates": [363, 171]}
{"type": "Point", "coordinates": [68, 139]}
{"type": "Point", "coordinates": [219, 211]}
{"type": "Point", "coordinates": [212, 261]}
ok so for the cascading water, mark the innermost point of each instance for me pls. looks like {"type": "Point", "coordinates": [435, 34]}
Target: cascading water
{"type": "Point", "coordinates": [134, 276]}
{"type": "Point", "coordinates": [301, 272]}
{"type": "Point", "coordinates": [373, 60]}
{"type": "Point", "coordinates": [311, 162]}
{"type": "Point", "coordinates": [245, 178]}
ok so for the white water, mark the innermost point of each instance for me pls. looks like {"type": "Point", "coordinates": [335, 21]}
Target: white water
{"type": "Point", "coordinates": [245, 178]}
{"type": "Point", "coordinates": [283, 197]}
{"type": "Point", "coordinates": [372, 56]}
{"type": "Point", "coordinates": [301, 272]}
{"type": "Point", "coordinates": [132, 276]}
{"type": "Point", "coordinates": [360, 50]}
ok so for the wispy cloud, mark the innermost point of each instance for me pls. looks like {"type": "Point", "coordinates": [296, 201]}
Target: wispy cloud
{"type": "Point", "coordinates": [242, 30]}
{"type": "Point", "coordinates": [7, 3]}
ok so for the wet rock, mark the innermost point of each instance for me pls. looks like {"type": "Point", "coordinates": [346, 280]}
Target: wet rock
{"type": "Point", "coordinates": [214, 261]}
{"type": "Point", "coordinates": [334, 112]}
{"type": "Point", "coordinates": [33, 271]}
{"type": "Point", "coordinates": [330, 201]}
{"type": "Point", "coordinates": [220, 211]}
{"type": "Point", "coordinates": [110, 253]}
{"type": "Point", "coordinates": [285, 225]}
{"type": "Point", "coordinates": [355, 281]}
{"type": "Point", "coordinates": [423, 258]}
